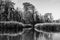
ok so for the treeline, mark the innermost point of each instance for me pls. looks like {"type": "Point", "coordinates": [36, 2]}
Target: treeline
{"type": "Point", "coordinates": [29, 15]}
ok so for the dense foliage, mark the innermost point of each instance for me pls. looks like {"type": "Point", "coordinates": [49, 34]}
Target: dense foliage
{"type": "Point", "coordinates": [28, 16]}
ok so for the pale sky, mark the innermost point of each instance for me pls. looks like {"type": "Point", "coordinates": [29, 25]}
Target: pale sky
{"type": "Point", "coordinates": [43, 6]}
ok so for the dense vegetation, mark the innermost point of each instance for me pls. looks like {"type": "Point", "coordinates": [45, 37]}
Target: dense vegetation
{"type": "Point", "coordinates": [29, 15]}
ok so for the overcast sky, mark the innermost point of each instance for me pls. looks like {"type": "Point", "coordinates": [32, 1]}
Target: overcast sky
{"type": "Point", "coordinates": [43, 6]}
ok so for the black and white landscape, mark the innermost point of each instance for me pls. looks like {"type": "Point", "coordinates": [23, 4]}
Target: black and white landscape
{"type": "Point", "coordinates": [26, 22]}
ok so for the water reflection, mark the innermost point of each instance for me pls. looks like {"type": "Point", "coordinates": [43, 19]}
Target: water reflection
{"type": "Point", "coordinates": [43, 36]}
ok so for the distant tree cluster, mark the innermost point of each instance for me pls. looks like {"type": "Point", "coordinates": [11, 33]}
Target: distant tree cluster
{"type": "Point", "coordinates": [28, 16]}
